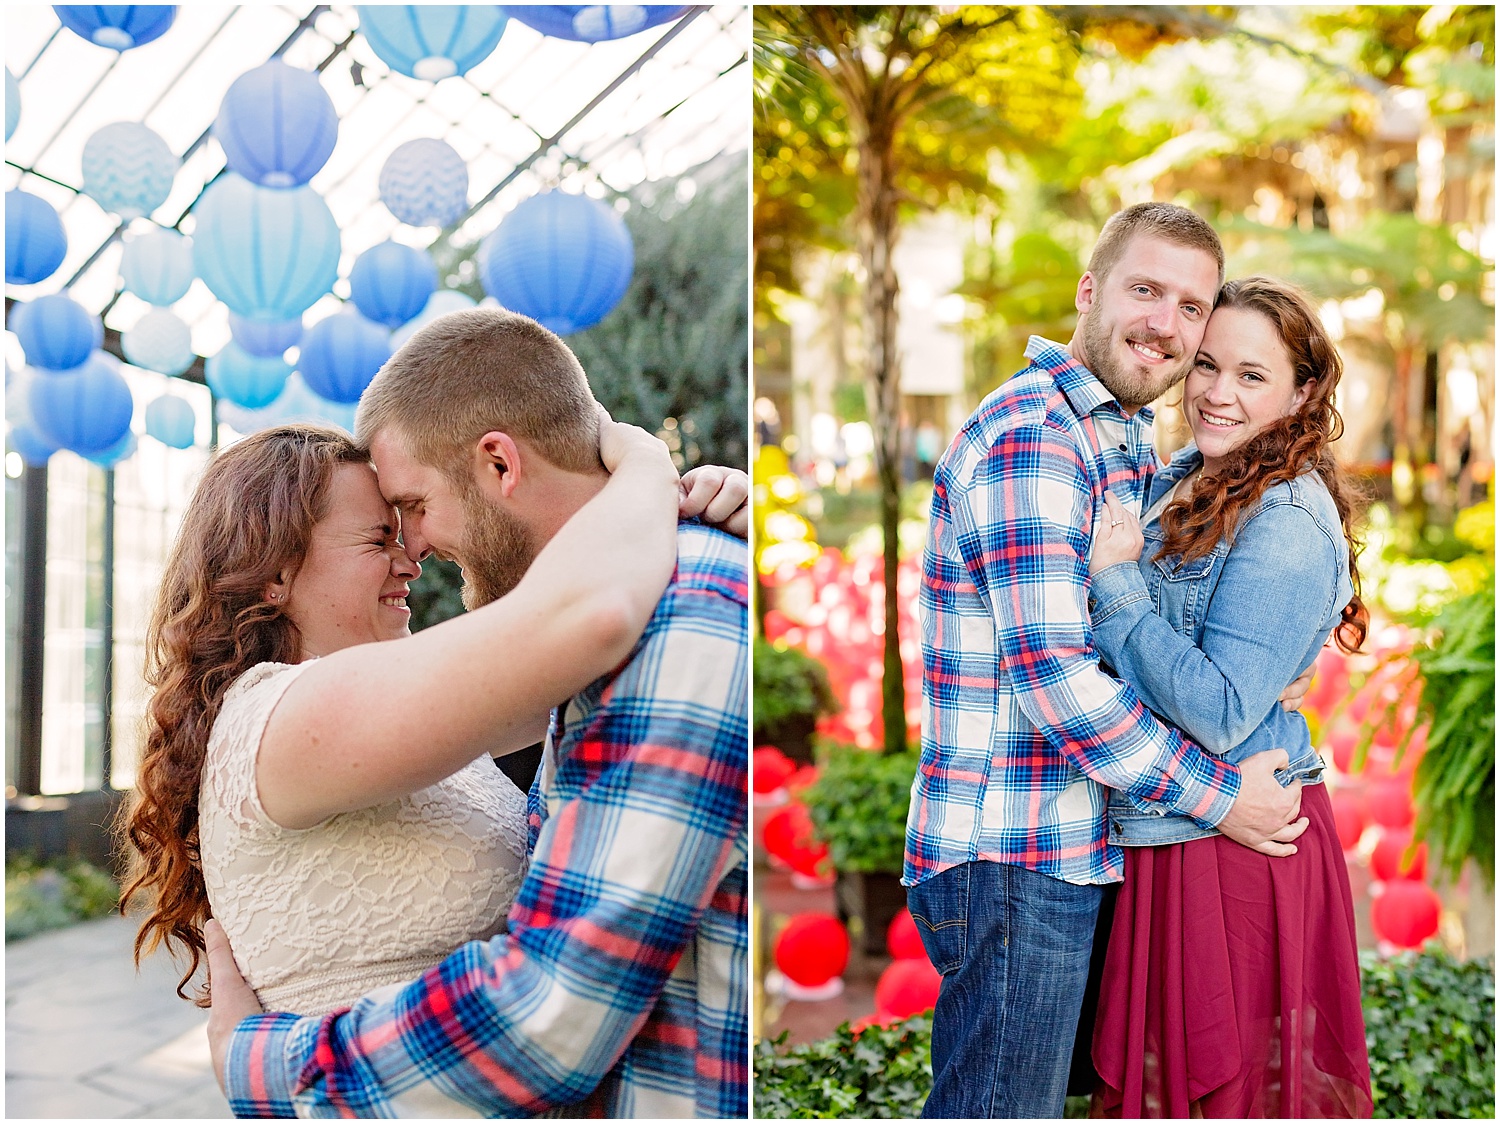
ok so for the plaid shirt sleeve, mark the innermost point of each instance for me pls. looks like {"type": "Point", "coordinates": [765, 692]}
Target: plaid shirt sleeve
{"type": "Point", "coordinates": [621, 875]}
{"type": "Point", "coordinates": [1023, 518]}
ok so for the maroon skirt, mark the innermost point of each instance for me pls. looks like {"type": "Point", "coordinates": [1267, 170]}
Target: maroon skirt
{"type": "Point", "coordinates": [1231, 983]}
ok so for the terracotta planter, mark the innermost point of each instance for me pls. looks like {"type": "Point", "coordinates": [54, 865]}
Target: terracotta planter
{"type": "Point", "coordinates": [867, 903]}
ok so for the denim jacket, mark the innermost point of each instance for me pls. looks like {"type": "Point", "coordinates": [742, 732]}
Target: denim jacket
{"type": "Point", "coordinates": [1211, 645]}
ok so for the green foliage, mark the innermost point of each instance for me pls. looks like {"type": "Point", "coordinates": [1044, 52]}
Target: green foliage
{"type": "Point", "coordinates": [789, 685]}
{"type": "Point", "coordinates": [435, 596]}
{"type": "Point", "coordinates": [881, 1073]}
{"type": "Point", "coordinates": [55, 895]}
{"type": "Point", "coordinates": [859, 805]}
{"type": "Point", "coordinates": [1429, 1023]}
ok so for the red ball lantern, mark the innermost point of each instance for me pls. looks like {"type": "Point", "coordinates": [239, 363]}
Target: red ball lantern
{"type": "Point", "coordinates": [771, 769]}
{"type": "Point", "coordinates": [808, 859]}
{"type": "Point", "coordinates": [776, 625]}
{"type": "Point", "coordinates": [781, 830]}
{"type": "Point", "coordinates": [1341, 744]}
{"type": "Point", "coordinates": [1386, 860]}
{"type": "Point", "coordinates": [1348, 818]}
{"type": "Point", "coordinates": [1389, 802]}
{"type": "Point", "coordinates": [906, 988]}
{"type": "Point", "coordinates": [902, 940]}
{"type": "Point", "coordinates": [1407, 913]}
{"type": "Point", "coordinates": [799, 780]}
{"type": "Point", "coordinates": [812, 951]}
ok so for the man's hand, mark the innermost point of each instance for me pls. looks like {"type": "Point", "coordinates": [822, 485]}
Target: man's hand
{"type": "Point", "coordinates": [1291, 698]}
{"type": "Point", "coordinates": [232, 998]}
{"type": "Point", "coordinates": [1264, 815]}
{"type": "Point", "coordinates": [719, 495]}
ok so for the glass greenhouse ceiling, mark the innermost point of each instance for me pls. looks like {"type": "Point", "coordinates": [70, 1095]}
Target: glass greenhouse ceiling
{"type": "Point", "coordinates": [612, 121]}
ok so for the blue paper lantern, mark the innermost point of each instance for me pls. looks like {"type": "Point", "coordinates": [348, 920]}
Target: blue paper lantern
{"type": "Point", "coordinates": [593, 23]}
{"type": "Point", "coordinates": [340, 355]}
{"type": "Point", "coordinates": [35, 244]}
{"type": "Point", "coordinates": [117, 26]}
{"type": "Point", "coordinates": [160, 341]}
{"type": "Point", "coordinates": [121, 450]}
{"type": "Point", "coordinates": [440, 303]}
{"type": "Point", "coordinates": [12, 104]}
{"type": "Point", "coordinates": [171, 420]}
{"type": "Point", "coordinates": [425, 182]}
{"type": "Point", "coordinates": [33, 447]}
{"type": "Point", "coordinates": [563, 260]}
{"type": "Point", "coordinates": [251, 381]}
{"type": "Point", "coordinates": [157, 266]}
{"type": "Point", "coordinates": [277, 125]}
{"type": "Point", "coordinates": [268, 254]}
{"type": "Point", "coordinates": [56, 332]}
{"type": "Point", "coordinates": [431, 41]}
{"type": "Point", "coordinates": [128, 169]}
{"type": "Point", "coordinates": [295, 404]}
{"type": "Point", "coordinates": [266, 339]}
{"type": "Point", "coordinates": [390, 282]}
{"type": "Point", "coordinates": [86, 409]}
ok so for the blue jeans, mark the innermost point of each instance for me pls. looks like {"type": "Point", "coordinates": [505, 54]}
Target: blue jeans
{"type": "Point", "coordinates": [1013, 948]}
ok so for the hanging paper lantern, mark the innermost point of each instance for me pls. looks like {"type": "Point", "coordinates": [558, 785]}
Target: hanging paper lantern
{"type": "Point", "coordinates": [907, 988]}
{"type": "Point", "coordinates": [160, 341]}
{"type": "Point", "coordinates": [390, 283]}
{"type": "Point", "coordinates": [1388, 803]}
{"type": "Point", "coordinates": [902, 940]}
{"type": "Point", "coordinates": [1388, 861]}
{"type": "Point", "coordinates": [86, 409]}
{"type": "Point", "coordinates": [440, 303]}
{"type": "Point", "coordinates": [295, 404]}
{"type": "Point", "coordinates": [157, 266]}
{"type": "Point", "coordinates": [770, 769]}
{"type": "Point", "coordinates": [117, 26]}
{"type": "Point", "coordinates": [171, 420]}
{"type": "Point", "coordinates": [1406, 914]}
{"type": "Point", "coordinates": [121, 450]}
{"type": "Point", "coordinates": [35, 244]}
{"type": "Point", "coordinates": [564, 260]}
{"type": "Point", "coordinates": [251, 381]}
{"type": "Point", "coordinates": [266, 339]}
{"type": "Point", "coordinates": [425, 182]}
{"type": "Point", "coordinates": [34, 449]}
{"type": "Point", "coordinates": [268, 254]}
{"type": "Point", "coordinates": [277, 125]}
{"type": "Point", "coordinates": [1348, 818]}
{"type": "Point", "coordinates": [128, 169]}
{"type": "Point", "coordinates": [340, 355]}
{"type": "Point", "coordinates": [12, 104]}
{"type": "Point", "coordinates": [431, 41]}
{"type": "Point", "coordinates": [56, 332]}
{"type": "Point", "coordinates": [593, 23]}
{"type": "Point", "coordinates": [812, 950]}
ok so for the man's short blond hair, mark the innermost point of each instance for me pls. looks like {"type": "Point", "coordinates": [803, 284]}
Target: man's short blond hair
{"type": "Point", "coordinates": [1167, 221]}
{"type": "Point", "coordinates": [483, 369]}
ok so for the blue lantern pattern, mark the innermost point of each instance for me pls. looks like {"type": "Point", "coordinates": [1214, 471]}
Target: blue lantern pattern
{"type": "Point", "coordinates": [160, 341]}
{"type": "Point", "coordinates": [251, 381]}
{"type": "Point", "coordinates": [593, 23]}
{"type": "Point", "coordinates": [340, 355]}
{"type": "Point", "coordinates": [33, 447]}
{"type": "Point", "coordinates": [35, 244]}
{"type": "Point", "coordinates": [390, 282]}
{"type": "Point", "coordinates": [12, 104]}
{"type": "Point", "coordinates": [265, 338]}
{"type": "Point", "coordinates": [425, 182]}
{"type": "Point", "coordinates": [265, 253]}
{"type": "Point", "coordinates": [121, 450]}
{"type": "Point", "coordinates": [158, 266]}
{"type": "Point", "coordinates": [431, 41]}
{"type": "Point", "coordinates": [128, 169]}
{"type": "Point", "coordinates": [295, 404]}
{"type": "Point", "coordinates": [277, 125]}
{"type": "Point", "coordinates": [440, 303]}
{"type": "Point", "coordinates": [564, 260]}
{"type": "Point", "coordinates": [56, 332]}
{"type": "Point", "coordinates": [86, 409]}
{"type": "Point", "coordinates": [171, 420]}
{"type": "Point", "coordinates": [117, 26]}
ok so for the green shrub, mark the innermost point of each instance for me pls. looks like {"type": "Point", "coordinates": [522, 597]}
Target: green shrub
{"type": "Point", "coordinates": [858, 806]}
{"type": "Point", "coordinates": [882, 1073]}
{"type": "Point", "coordinates": [39, 898]}
{"type": "Point", "coordinates": [789, 685]}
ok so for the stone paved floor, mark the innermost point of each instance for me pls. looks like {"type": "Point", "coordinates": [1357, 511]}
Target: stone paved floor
{"type": "Point", "coordinates": [86, 1037]}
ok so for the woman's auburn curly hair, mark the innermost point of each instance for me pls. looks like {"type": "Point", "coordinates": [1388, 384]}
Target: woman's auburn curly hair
{"type": "Point", "coordinates": [1282, 451]}
{"type": "Point", "coordinates": [249, 523]}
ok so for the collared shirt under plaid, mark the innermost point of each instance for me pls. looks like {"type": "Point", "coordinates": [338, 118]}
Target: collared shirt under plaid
{"type": "Point", "coordinates": [621, 987]}
{"type": "Point", "coordinates": [1022, 732]}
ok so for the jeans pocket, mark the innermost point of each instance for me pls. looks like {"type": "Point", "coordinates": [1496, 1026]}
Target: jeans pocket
{"type": "Point", "coordinates": [940, 908]}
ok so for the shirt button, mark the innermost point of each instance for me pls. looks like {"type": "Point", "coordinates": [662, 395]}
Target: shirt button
{"type": "Point", "coordinates": [1123, 448]}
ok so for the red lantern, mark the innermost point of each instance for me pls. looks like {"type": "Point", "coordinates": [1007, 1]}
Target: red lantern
{"type": "Point", "coordinates": [1385, 860]}
{"type": "Point", "coordinates": [1341, 744]}
{"type": "Point", "coordinates": [771, 769]}
{"type": "Point", "coordinates": [1348, 818]}
{"type": "Point", "coordinates": [1389, 802]}
{"type": "Point", "coordinates": [801, 779]}
{"type": "Point", "coordinates": [781, 830]}
{"type": "Point", "coordinates": [808, 859]}
{"type": "Point", "coordinates": [1330, 681]}
{"type": "Point", "coordinates": [1407, 913]}
{"type": "Point", "coordinates": [906, 988]}
{"type": "Point", "coordinates": [813, 950]}
{"type": "Point", "coordinates": [776, 625]}
{"type": "Point", "coordinates": [902, 940]}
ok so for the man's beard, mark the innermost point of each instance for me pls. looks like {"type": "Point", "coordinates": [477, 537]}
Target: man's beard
{"type": "Point", "coordinates": [498, 550]}
{"type": "Point", "coordinates": [1132, 389]}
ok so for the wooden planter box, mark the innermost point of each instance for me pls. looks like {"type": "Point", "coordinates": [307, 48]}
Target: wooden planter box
{"type": "Point", "coordinates": [867, 904]}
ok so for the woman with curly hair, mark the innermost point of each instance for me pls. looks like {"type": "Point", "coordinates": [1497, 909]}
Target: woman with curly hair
{"type": "Point", "coordinates": [1231, 981]}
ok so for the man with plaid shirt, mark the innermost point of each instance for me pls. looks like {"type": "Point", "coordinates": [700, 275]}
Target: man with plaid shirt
{"type": "Point", "coordinates": [1022, 732]}
{"type": "Point", "coordinates": [621, 986]}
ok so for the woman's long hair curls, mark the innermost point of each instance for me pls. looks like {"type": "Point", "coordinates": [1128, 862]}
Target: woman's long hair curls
{"type": "Point", "coordinates": [1280, 452]}
{"type": "Point", "coordinates": [249, 523]}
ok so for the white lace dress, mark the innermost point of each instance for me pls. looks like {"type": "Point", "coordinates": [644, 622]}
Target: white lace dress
{"type": "Point", "coordinates": [318, 917]}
